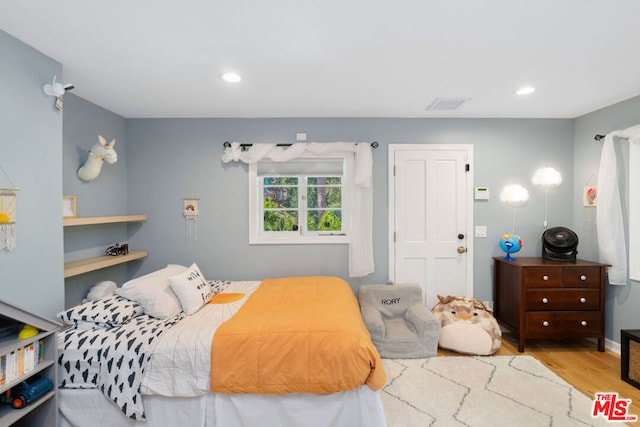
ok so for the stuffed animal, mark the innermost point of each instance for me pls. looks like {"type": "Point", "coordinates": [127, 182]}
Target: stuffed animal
{"type": "Point", "coordinates": [467, 326]}
{"type": "Point", "coordinates": [100, 153]}
{"type": "Point", "coordinates": [100, 289]}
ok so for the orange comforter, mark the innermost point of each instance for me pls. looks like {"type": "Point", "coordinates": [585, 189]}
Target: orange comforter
{"type": "Point", "coordinates": [298, 334]}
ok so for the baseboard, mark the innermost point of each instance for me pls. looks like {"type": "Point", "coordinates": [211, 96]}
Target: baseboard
{"type": "Point", "coordinates": [610, 345]}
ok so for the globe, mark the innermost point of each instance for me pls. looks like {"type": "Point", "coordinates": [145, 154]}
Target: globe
{"type": "Point", "coordinates": [510, 243]}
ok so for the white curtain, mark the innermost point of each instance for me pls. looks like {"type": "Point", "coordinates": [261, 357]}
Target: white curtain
{"type": "Point", "coordinates": [610, 224]}
{"type": "Point", "coordinates": [361, 221]}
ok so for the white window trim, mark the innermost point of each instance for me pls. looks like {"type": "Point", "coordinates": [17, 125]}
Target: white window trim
{"type": "Point", "coordinates": [255, 200]}
{"type": "Point", "coordinates": [634, 210]}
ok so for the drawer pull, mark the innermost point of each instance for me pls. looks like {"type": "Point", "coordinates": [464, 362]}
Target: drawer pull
{"type": "Point", "coordinates": [545, 300]}
{"type": "Point", "coordinates": [583, 323]}
{"type": "Point", "coordinates": [545, 323]}
{"type": "Point", "coordinates": [583, 277]}
{"type": "Point", "coordinates": [545, 277]}
{"type": "Point", "coordinates": [583, 300]}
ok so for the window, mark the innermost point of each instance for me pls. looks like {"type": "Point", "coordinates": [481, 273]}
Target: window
{"type": "Point", "coordinates": [301, 201]}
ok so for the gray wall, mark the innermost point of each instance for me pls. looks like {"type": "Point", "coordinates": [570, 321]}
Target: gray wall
{"type": "Point", "coordinates": [174, 158]}
{"type": "Point", "coordinates": [106, 195]}
{"type": "Point", "coordinates": [622, 301]}
{"type": "Point", "coordinates": [30, 152]}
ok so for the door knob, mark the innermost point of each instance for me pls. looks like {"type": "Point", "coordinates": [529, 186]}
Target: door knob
{"type": "Point", "coordinates": [462, 249]}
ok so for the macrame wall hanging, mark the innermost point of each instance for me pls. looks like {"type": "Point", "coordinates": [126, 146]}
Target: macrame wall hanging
{"type": "Point", "coordinates": [8, 215]}
{"type": "Point", "coordinates": [190, 212]}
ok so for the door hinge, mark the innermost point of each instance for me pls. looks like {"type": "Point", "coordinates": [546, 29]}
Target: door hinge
{"type": "Point", "coordinates": [394, 170]}
{"type": "Point", "coordinates": [467, 167]}
{"type": "Point", "coordinates": [394, 236]}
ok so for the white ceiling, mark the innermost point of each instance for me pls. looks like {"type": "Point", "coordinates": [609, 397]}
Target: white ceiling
{"type": "Point", "coordinates": [338, 58]}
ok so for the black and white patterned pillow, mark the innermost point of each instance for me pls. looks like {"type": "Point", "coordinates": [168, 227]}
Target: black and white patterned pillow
{"type": "Point", "coordinates": [109, 311]}
{"type": "Point", "coordinates": [218, 286]}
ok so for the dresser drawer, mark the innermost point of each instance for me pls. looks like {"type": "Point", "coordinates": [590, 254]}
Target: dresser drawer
{"type": "Point", "coordinates": [581, 277]}
{"type": "Point", "coordinates": [561, 323]}
{"type": "Point", "coordinates": [563, 299]}
{"type": "Point", "coordinates": [542, 277]}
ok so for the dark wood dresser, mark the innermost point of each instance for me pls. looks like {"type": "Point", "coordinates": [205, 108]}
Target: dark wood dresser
{"type": "Point", "coordinates": [538, 298]}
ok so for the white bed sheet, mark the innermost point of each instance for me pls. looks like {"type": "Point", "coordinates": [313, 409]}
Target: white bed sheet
{"type": "Point", "coordinates": [180, 364]}
{"type": "Point", "coordinates": [361, 407]}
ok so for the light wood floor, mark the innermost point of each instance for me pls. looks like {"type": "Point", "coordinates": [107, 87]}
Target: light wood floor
{"type": "Point", "coordinates": [578, 362]}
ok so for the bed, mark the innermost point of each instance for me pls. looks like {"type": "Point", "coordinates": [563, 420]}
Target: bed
{"type": "Point", "coordinates": [277, 352]}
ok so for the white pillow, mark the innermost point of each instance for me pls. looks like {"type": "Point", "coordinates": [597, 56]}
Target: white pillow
{"type": "Point", "coordinates": [192, 289]}
{"type": "Point", "coordinates": [153, 292]}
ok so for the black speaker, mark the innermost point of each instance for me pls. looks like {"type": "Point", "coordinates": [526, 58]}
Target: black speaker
{"type": "Point", "coordinates": [559, 244]}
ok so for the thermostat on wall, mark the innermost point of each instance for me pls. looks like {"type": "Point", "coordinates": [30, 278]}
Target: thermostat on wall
{"type": "Point", "coordinates": [482, 193]}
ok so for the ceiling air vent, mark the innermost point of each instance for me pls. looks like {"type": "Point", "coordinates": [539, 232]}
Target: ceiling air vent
{"type": "Point", "coordinates": [447, 104]}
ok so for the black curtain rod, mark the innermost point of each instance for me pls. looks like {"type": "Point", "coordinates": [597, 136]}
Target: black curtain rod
{"type": "Point", "coordinates": [599, 137]}
{"type": "Point", "coordinates": [227, 144]}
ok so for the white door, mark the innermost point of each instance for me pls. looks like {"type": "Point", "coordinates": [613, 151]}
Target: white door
{"type": "Point", "coordinates": [430, 218]}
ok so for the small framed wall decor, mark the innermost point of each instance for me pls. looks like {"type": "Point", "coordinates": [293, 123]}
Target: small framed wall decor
{"type": "Point", "coordinates": [590, 195]}
{"type": "Point", "coordinates": [68, 206]}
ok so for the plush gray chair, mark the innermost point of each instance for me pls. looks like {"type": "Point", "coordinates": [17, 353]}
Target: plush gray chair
{"type": "Point", "coordinates": [399, 323]}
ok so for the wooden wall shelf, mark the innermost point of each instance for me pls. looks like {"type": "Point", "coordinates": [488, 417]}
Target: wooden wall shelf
{"type": "Point", "coordinates": [92, 220]}
{"type": "Point", "coordinates": [74, 268]}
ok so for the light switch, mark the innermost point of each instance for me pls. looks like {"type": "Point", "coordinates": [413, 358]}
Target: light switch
{"type": "Point", "coordinates": [301, 136]}
{"type": "Point", "coordinates": [481, 231]}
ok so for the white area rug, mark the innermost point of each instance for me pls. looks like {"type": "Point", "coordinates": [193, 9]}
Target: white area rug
{"type": "Point", "coordinates": [482, 391]}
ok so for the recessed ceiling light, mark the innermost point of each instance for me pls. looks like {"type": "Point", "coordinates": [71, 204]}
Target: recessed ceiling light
{"type": "Point", "coordinates": [231, 77]}
{"type": "Point", "coordinates": [525, 90]}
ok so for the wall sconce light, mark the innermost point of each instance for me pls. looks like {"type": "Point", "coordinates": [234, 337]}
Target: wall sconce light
{"type": "Point", "coordinates": [547, 177]}
{"type": "Point", "coordinates": [516, 196]}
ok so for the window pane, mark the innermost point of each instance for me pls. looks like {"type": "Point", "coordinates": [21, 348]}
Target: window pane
{"type": "Point", "coordinates": [324, 180]}
{"type": "Point", "coordinates": [330, 220]}
{"type": "Point", "coordinates": [280, 220]}
{"type": "Point", "coordinates": [280, 197]}
{"type": "Point", "coordinates": [282, 180]}
{"type": "Point", "coordinates": [324, 197]}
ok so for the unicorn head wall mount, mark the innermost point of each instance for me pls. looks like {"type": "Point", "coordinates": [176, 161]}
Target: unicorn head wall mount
{"type": "Point", "coordinates": [100, 153]}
